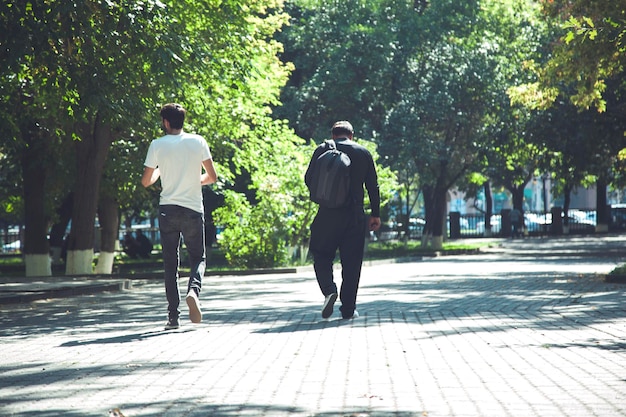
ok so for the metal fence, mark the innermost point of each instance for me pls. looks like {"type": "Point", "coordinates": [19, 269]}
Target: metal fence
{"type": "Point", "coordinates": [535, 224]}
{"type": "Point", "coordinates": [473, 225]}
{"type": "Point", "coordinates": [468, 226]}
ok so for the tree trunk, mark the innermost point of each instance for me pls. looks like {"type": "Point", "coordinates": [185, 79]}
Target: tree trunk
{"type": "Point", "coordinates": [109, 226]}
{"type": "Point", "coordinates": [406, 215]}
{"type": "Point", "coordinates": [35, 245]}
{"type": "Point", "coordinates": [427, 192]}
{"type": "Point", "coordinates": [601, 206]}
{"type": "Point", "coordinates": [435, 209]}
{"type": "Point", "coordinates": [567, 191]}
{"type": "Point", "coordinates": [91, 153]}
{"type": "Point", "coordinates": [488, 208]}
{"type": "Point", "coordinates": [439, 214]}
{"type": "Point", "coordinates": [518, 197]}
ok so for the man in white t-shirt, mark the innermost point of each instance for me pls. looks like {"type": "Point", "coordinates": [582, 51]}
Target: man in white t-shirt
{"type": "Point", "coordinates": [184, 163]}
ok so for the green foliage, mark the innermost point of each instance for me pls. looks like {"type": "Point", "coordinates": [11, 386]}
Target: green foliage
{"type": "Point", "coordinates": [619, 270]}
{"type": "Point", "coordinates": [588, 53]}
{"type": "Point", "coordinates": [258, 233]}
{"type": "Point", "coordinates": [274, 228]}
{"type": "Point", "coordinates": [424, 82]}
{"type": "Point", "coordinates": [580, 144]}
{"type": "Point", "coordinates": [252, 236]}
{"type": "Point", "coordinates": [70, 62]}
{"type": "Point", "coordinates": [400, 249]}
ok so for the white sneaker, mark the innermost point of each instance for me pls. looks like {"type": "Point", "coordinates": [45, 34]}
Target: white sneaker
{"type": "Point", "coordinates": [195, 314]}
{"type": "Point", "coordinates": [329, 302]}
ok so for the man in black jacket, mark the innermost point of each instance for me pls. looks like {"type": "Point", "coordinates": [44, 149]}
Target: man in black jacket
{"type": "Point", "coordinates": [344, 228]}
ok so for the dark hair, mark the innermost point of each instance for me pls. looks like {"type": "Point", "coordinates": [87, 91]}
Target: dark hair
{"type": "Point", "coordinates": [175, 114]}
{"type": "Point", "coordinates": [342, 128]}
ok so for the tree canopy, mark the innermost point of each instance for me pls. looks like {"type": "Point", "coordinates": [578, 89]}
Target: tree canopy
{"type": "Point", "coordinates": [443, 93]}
{"type": "Point", "coordinates": [91, 74]}
{"type": "Point", "coordinates": [587, 54]}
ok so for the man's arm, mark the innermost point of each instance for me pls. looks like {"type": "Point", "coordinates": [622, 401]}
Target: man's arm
{"type": "Point", "coordinates": [209, 176]}
{"type": "Point", "coordinates": [318, 151]}
{"type": "Point", "coordinates": [371, 184]}
{"type": "Point", "coordinates": [150, 176]}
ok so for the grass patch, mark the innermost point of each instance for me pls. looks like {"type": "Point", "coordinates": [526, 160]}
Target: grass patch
{"type": "Point", "coordinates": [399, 249]}
{"type": "Point", "coordinates": [11, 260]}
{"type": "Point", "coordinates": [216, 261]}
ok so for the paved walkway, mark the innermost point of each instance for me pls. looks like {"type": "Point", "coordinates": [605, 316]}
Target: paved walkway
{"type": "Point", "coordinates": [527, 329]}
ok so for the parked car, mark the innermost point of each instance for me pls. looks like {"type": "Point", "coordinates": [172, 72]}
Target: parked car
{"type": "Point", "coordinates": [416, 227]}
{"type": "Point", "coordinates": [578, 220]}
{"type": "Point", "coordinates": [582, 217]}
{"type": "Point", "coordinates": [496, 224]}
{"type": "Point", "coordinates": [12, 247]}
{"type": "Point", "coordinates": [537, 222]}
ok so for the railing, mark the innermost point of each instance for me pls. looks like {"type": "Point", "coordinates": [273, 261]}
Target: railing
{"type": "Point", "coordinates": [10, 240]}
{"type": "Point", "coordinates": [469, 226]}
{"type": "Point", "coordinates": [473, 225]}
{"type": "Point", "coordinates": [535, 224]}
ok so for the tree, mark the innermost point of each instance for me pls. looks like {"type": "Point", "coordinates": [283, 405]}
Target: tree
{"type": "Point", "coordinates": [515, 155]}
{"type": "Point", "coordinates": [424, 79]}
{"type": "Point", "coordinates": [510, 149]}
{"type": "Point", "coordinates": [33, 90]}
{"type": "Point", "coordinates": [586, 69]}
{"type": "Point", "coordinates": [273, 230]}
{"type": "Point", "coordinates": [590, 51]}
{"type": "Point", "coordinates": [258, 234]}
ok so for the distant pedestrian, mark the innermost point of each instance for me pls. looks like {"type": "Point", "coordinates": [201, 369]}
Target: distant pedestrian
{"type": "Point", "coordinates": [179, 158]}
{"type": "Point", "coordinates": [144, 245]}
{"type": "Point", "coordinates": [516, 223]}
{"type": "Point", "coordinates": [344, 228]}
{"type": "Point", "coordinates": [130, 245]}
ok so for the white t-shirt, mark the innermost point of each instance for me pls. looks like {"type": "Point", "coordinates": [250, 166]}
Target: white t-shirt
{"type": "Point", "coordinates": [179, 159]}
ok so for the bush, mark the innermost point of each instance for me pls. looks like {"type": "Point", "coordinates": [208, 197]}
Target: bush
{"type": "Point", "coordinates": [252, 236]}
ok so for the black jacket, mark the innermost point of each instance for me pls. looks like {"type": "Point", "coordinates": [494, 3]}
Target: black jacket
{"type": "Point", "coordinates": [362, 172]}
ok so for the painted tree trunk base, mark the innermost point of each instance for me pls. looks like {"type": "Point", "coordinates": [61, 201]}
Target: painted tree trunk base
{"type": "Point", "coordinates": [437, 242]}
{"type": "Point", "coordinates": [55, 254]}
{"type": "Point", "coordinates": [432, 242]}
{"type": "Point", "coordinates": [38, 265]}
{"type": "Point", "coordinates": [602, 228]}
{"type": "Point", "coordinates": [79, 262]}
{"type": "Point", "coordinates": [105, 263]}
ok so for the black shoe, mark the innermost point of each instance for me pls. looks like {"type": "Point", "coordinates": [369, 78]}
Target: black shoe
{"type": "Point", "coordinates": [354, 315]}
{"type": "Point", "coordinates": [329, 302]}
{"type": "Point", "coordinates": [172, 324]}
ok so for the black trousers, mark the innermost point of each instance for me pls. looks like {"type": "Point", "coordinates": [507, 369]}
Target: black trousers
{"type": "Point", "coordinates": [177, 223]}
{"type": "Point", "coordinates": [344, 230]}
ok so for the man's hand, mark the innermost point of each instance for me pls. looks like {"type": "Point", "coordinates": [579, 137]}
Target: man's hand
{"type": "Point", "coordinates": [374, 224]}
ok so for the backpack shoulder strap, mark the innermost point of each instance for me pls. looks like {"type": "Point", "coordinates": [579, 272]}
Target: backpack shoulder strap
{"type": "Point", "coordinates": [330, 143]}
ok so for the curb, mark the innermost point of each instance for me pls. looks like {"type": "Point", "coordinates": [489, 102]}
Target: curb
{"type": "Point", "coordinates": [21, 295]}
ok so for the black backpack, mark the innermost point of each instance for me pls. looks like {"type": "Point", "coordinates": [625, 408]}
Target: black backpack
{"type": "Point", "coordinates": [330, 178]}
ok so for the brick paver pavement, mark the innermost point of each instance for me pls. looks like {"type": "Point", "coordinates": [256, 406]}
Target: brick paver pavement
{"type": "Point", "coordinates": [529, 329]}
